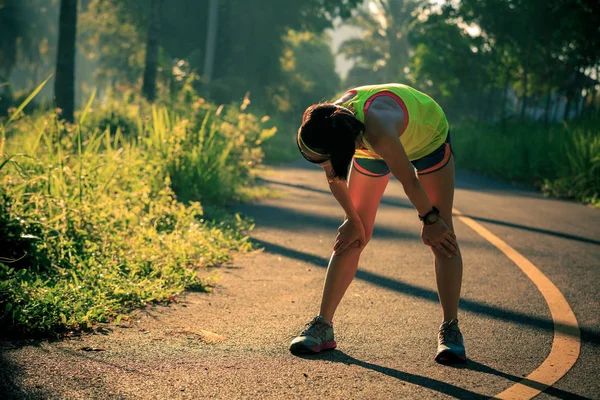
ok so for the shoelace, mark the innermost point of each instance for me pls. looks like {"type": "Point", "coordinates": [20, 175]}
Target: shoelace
{"type": "Point", "coordinates": [315, 328]}
{"type": "Point", "coordinates": [449, 334]}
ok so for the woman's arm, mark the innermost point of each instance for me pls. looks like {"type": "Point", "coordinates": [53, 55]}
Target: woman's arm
{"type": "Point", "coordinates": [339, 189]}
{"type": "Point", "coordinates": [386, 143]}
{"type": "Point", "coordinates": [382, 126]}
{"type": "Point", "coordinates": [352, 229]}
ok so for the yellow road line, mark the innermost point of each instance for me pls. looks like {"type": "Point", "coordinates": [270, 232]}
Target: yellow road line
{"type": "Point", "coordinates": [566, 344]}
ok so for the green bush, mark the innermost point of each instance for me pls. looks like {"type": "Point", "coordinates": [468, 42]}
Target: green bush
{"type": "Point", "coordinates": [561, 160]}
{"type": "Point", "coordinates": [579, 176]}
{"type": "Point", "coordinates": [91, 222]}
{"type": "Point", "coordinates": [211, 154]}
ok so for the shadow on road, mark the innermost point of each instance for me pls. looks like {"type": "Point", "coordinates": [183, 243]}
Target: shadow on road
{"type": "Point", "coordinates": [11, 373]}
{"type": "Point", "coordinates": [402, 203]}
{"type": "Point", "coordinates": [479, 367]}
{"type": "Point", "coordinates": [272, 216]}
{"type": "Point", "coordinates": [386, 200]}
{"type": "Point", "coordinates": [538, 323]}
{"type": "Point", "coordinates": [434, 384]}
{"type": "Point", "coordinates": [464, 181]}
{"type": "Point", "coordinates": [473, 181]}
{"type": "Point", "coordinates": [429, 383]}
{"type": "Point", "coordinates": [536, 230]}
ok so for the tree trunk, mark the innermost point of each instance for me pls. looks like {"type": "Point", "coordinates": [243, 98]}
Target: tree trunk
{"type": "Point", "coordinates": [524, 98]}
{"type": "Point", "coordinates": [64, 84]}
{"type": "Point", "coordinates": [491, 105]}
{"type": "Point", "coordinates": [9, 16]}
{"type": "Point", "coordinates": [211, 41]}
{"type": "Point", "coordinates": [579, 105]}
{"type": "Point", "coordinates": [504, 98]}
{"type": "Point", "coordinates": [549, 97]}
{"type": "Point", "coordinates": [567, 107]}
{"type": "Point", "coordinates": [596, 92]}
{"type": "Point", "coordinates": [525, 76]}
{"type": "Point", "coordinates": [151, 68]}
{"type": "Point", "coordinates": [481, 104]}
{"type": "Point", "coordinates": [547, 108]}
{"type": "Point", "coordinates": [555, 109]}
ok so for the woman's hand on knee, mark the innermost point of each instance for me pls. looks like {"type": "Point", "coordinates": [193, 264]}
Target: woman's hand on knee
{"type": "Point", "coordinates": [440, 237]}
{"type": "Point", "coordinates": [350, 234]}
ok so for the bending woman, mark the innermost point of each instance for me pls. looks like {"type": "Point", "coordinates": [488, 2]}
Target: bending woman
{"type": "Point", "coordinates": [382, 130]}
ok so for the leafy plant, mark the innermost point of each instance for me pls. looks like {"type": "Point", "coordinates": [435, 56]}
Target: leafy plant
{"type": "Point", "coordinates": [91, 222]}
{"type": "Point", "coordinates": [561, 160]}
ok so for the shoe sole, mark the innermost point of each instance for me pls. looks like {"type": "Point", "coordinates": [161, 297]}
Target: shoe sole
{"type": "Point", "coordinates": [448, 357]}
{"type": "Point", "coordinates": [299, 348]}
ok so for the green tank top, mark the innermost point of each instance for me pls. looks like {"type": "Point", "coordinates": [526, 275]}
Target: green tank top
{"type": "Point", "coordinates": [426, 126]}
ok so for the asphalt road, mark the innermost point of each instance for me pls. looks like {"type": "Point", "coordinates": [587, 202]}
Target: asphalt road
{"type": "Point", "coordinates": [233, 343]}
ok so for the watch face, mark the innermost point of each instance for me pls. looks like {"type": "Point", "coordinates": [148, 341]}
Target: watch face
{"type": "Point", "coordinates": [432, 218]}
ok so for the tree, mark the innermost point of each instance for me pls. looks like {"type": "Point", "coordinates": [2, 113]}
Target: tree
{"type": "Point", "coordinates": [449, 64]}
{"type": "Point", "coordinates": [551, 41]}
{"type": "Point", "coordinates": [114, 33]}
{"type": "Point", "coordinates": [382, 54]}
{"type": "Point", "coordinates": [150, 70]}
{"type": "Point", "coordinates": [211, 41]}
{"type": "Point", "coordinates": [249, 41]}
{"type": "Point", "coordinates": [27, 46]}
{"type": "Point", "coordinates": [64, 85]}
{"type": "Point", "coordinates": [308, 68]}
{"type": "Point", "coordinates": [9, 33]}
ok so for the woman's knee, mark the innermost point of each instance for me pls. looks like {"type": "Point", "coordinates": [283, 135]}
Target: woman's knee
{"type": "Point", "coordinates": [441, 256]}
{"type": "Point", "coordinates": [362, 245]}
{"type": "Point", "coordinates": [368, 236]}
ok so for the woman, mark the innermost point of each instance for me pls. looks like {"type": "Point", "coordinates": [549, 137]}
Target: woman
{"type": "Point", "coordinates": [383, 130]}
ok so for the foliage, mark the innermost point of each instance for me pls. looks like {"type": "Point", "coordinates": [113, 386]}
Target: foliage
{"type": "Point", "coordinates": [562, 160]}
{"type": "Point", "coordinates": [115, 31]}
{"type": "Point", "coordinates": [210, 155]}
{"type": "Point", "coordinates": [25, 31]}
{"type": "Point", "coordinates": [468, 54]}
{"type": "Point", "coordinates": [113, 36]}
{"type": "Point", "coordinates": [309, 71]}
{"type": "Point", "coordinates": [92, 217]}
{"type": "Point", "coordinates": [382, 53]}
{"type": "Point", "coordinates": [579, 177]}
{"type": "Point", "coordinates": [449, 65]}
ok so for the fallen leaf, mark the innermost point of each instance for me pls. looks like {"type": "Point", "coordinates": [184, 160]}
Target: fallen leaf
{"type": "Point", "coordinates": [206, 336]}
{"type": "Point", "coordinates": [210, 337]}
{"type": "Point", "coordinates": [91, 349]}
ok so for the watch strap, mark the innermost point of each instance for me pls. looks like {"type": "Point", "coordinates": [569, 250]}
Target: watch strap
{"type": "Point", "coordinates": [434, 210]}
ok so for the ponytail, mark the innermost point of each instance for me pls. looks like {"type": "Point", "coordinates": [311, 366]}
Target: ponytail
{"type": "Point", "coordinates": [345, 131]}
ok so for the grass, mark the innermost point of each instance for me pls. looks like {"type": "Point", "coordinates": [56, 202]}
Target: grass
{"type": "Point", "coordinates": [282, 148]}
{"type": "Point", "coordinates": [562, 160]}
{"type": "Point", "coordinates": [121, 209]}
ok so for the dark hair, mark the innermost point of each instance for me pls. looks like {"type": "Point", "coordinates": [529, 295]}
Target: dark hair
{"type": "Point", "coordinates": [331, 129]}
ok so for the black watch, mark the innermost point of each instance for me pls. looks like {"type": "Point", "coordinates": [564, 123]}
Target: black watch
{"type": "Point", "coordinates": [431, 217]}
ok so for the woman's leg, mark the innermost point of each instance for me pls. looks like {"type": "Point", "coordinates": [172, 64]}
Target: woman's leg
{"type": "Point", "coordinates": [366, 193]}
{"type": "Point", "coordinates": [439, 186]}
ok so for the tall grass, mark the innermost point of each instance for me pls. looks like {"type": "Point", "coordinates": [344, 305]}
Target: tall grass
{"type": "Point", "coordinates": [562, 160]}
{"type": "Point", "coordinates": [97, 217]}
